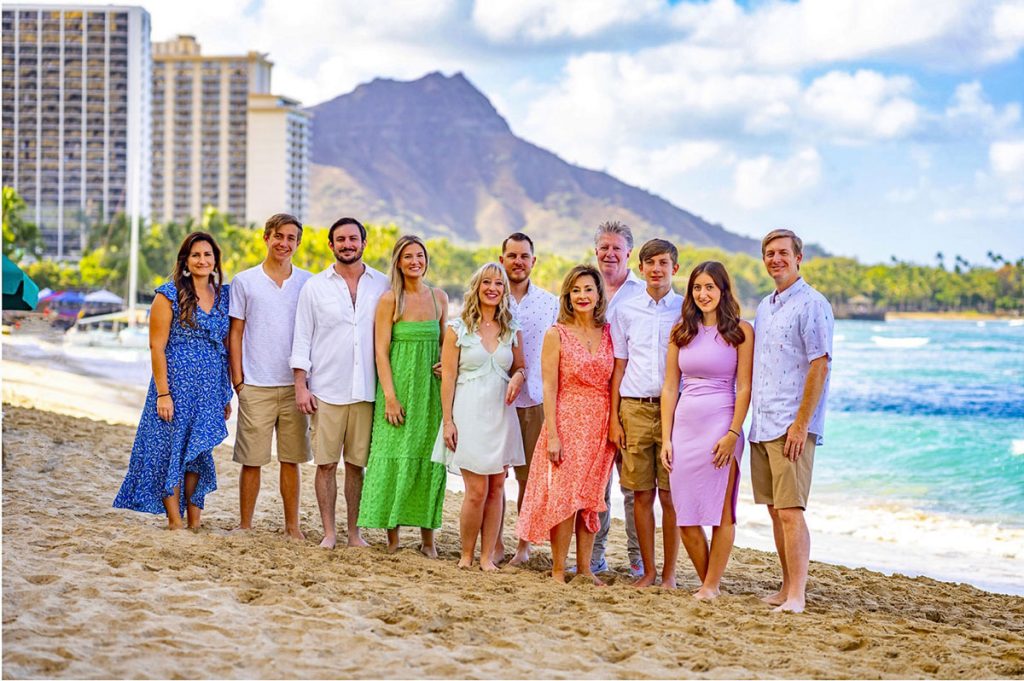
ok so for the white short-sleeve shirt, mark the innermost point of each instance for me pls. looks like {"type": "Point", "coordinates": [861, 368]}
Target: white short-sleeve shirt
{"type": "Point", "coordinates": [640, 333]}
{"type": "Point", "coordinates": [535, 313]}
{"type": "Point", "coordinates": [269, 314]}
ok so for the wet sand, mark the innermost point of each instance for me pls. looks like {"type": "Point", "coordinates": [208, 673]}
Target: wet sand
{"type": "Point", "coordinates": [90, 591]}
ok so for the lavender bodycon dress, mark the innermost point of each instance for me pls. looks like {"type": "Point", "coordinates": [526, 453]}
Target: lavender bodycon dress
{"type": "Point", "coordinates": [703, 415]}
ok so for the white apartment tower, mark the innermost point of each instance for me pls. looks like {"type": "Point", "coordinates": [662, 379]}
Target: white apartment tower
{"type": "Point", "coordinates": [76, 114]}
{"type": "Point", "coordinates": [221, 139]}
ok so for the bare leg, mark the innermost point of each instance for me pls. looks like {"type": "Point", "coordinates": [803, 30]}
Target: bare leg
{"type": "Point", "coordinates": [722, 538]}
{"type": "Point", "coordinates": [523, 548]}
{"type": "Point", "coordinates": [326, 485]}
{"type": "Point", "coordinates": [427, 547]}
{"type": "Point", "coordinates": [498, 554]}
{"type": "Point", "coordinates": [696, 544]}
{"type": "Point", "coordinates": [290, 480]}
{"type": "Point", "coordinates": [643, 512]}
{"type": "Point", "coordinates": [493, 511]}
{"type": "Point", "coordinates": [798, 551]}
{"type": "Point", "coordinates": [353, 497]}
{"type": "Point", "coordinates": [471, 517]}
{"type": "Point", "coordinates": [585, 549]}
{"type": "Point", "coordinates": [670, 538]}
{"type": "Point", "coordinates": [561, 535]}
{"type": "Point", "coordinates": [393, 540]}
{"type": "Point", "coordinates": [191, 510]}
{"type": "Point", "coordinates": [248, 490]}
{"type": "Point", "coordinates": [173, 509]}
{"type": "Point", "coordinates": [779, 596]}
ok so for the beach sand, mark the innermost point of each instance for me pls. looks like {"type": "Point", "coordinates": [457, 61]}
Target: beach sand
{"type": "Point", "coordinates": [90, 591]}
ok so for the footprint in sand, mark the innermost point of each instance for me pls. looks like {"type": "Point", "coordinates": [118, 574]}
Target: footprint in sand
{"type": "Point", "coordinates": [41, 579]}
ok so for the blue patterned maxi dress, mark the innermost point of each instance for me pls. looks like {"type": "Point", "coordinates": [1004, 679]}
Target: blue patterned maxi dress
{"type": "Point", "coordinates": [197, 374]}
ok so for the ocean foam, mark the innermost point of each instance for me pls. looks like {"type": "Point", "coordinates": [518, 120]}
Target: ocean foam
{"type": "Point", "coordinates": [1017, 448]}
{"type": "Point", "coordinates": [908, 342]}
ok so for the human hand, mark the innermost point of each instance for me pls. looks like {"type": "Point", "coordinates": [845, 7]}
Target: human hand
{"type": "Point", "coordinates": [238, 387]}
{"type": "Point", "coordinates": [165, 408]}
{"type": "Point", "coordinates": [515, 386]}
{"type": "Point", "coordinates": [554, 450]}
{"type": "Point", "coordinates": [666, 456]}
{"type": "Point", "coordinates": [437, 370]}
{"type": "Point", "coordinates": [305, 400]}
{"type": "Point", "coordinates": [451, 435]}
{"type": "Point", "coordinates": [393, 411]}
{"type": "Point", "coordinates": [616, 434]}
{"type": "Point", "coordinates": [227, 411]}
{"type": "Point", "coordinates": [796, 436]}
{"type": "Point", "coordinates": [723, 450]}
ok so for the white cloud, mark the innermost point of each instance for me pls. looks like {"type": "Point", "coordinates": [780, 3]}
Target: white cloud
{"type": "Point", "coordinates": [1007, 158]}
{"type": "Point", "coordinates": [659, 169]}
{"type": "Point", "coordinates": [534, 21]}
{"type": "Point", "coordinates": [865, 104]}
{"type": "Point", "coordinates": [970, 111]}
{"type": "Point", "coordinates": [763, 181]}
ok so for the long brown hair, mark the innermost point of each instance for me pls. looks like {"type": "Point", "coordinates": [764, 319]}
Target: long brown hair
{"type": "Point", "coordinates": [691, 317]}
{"type": "Point", "coordinates": [187, 298]}
{"type": "Point", "coordinates": [566, 315]}
{"type": "Point", "coordinates": [398, 279]}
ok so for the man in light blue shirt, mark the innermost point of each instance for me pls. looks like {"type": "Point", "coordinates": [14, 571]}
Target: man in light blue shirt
{"type": "Point", "coordinates": [792, 358]}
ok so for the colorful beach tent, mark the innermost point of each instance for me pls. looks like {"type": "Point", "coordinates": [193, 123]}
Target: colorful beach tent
{"type": "Point", "coordinates": [20, 292]}
{"type": "Point", "coordinates": [104, 297]}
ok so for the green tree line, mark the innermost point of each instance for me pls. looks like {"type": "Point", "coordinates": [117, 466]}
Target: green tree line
{"type": "Point", "coordinates": [997, 286]}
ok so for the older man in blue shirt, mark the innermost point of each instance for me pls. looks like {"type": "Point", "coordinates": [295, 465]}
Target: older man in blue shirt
{"type": "Point", "coordinates": [792, 356]}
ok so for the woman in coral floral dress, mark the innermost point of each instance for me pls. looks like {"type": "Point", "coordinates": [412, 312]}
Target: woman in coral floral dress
{"type": "Point", "coordinates": [573, 458]}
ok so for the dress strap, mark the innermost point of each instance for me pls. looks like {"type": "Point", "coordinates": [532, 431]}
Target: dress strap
{"type": "Point", "coordinates": [433, 296]}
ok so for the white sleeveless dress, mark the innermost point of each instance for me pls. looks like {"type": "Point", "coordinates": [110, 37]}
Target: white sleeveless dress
{"type": "Point", "coordinates": [489, 438]}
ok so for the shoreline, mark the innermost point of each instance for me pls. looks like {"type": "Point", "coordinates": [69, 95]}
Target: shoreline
{"type": "Point", "coordinates": [965, 316]}
{"type": "Point", "coordinates": [91, 591]}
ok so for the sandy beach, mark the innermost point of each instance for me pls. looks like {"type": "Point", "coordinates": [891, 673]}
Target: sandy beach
{"type": "Point", "coordinates": [89, 591]}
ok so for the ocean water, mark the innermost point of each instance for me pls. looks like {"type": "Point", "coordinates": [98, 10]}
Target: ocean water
{"type": "Point", "coordinates": [929, 416]}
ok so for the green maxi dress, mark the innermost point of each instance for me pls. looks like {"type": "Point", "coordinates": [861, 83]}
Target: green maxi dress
{"type": "Point", "coordinates": [402, 485]}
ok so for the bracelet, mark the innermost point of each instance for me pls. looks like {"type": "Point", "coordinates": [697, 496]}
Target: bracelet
{"type": "Point", "coordinates": [239, 383]}
{"type": "Point", "coordinates": [734, 432]}
{"type": "Point", "coordinates": [163, 395]}
{"type": "Point", "coordinates": [521, 370]}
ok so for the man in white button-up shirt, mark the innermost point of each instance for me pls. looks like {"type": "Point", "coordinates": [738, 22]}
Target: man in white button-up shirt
{"type": "Point", "coordinates": [536, 310]}
{"type": "Point", "coordinates": [640, 333]}
{"type": "Point", "coordinates": [334, 370]}
{"type": "Point", "coordinates": [792, 357]}
{"type": "Point", "coordinates": [613, 244]}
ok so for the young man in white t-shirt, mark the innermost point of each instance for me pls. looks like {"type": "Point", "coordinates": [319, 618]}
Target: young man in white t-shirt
{"type": "Point", "coordinates": [262, 311]}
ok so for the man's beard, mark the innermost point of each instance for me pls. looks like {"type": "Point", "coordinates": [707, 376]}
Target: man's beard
{"type": "Point", "coordinates": [348, 259]}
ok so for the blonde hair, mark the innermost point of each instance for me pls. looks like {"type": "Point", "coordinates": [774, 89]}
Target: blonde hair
{"type": "Point", "coordinates": [471, 312]}
{"type": "Point", "coordinates": [566, 314]}
{"type": "Point", "coordinates": [397, 278]}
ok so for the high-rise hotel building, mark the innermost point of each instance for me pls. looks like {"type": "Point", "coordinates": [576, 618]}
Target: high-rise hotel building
{"type": "Point", "coordinates": [221, 139]}
{"type": "Point", "coordinates": [76, 115]}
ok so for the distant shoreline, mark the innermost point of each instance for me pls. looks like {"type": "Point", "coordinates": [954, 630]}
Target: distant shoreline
{"type": "Point", "coordinates": [965, 316]}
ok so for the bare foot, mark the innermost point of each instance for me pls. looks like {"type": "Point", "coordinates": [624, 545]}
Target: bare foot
{"type": "Point", "coordinates": [392, 547]}
{"type": "Point", "coordinates": [175, 525]}
{"type": "Point", "coordinates": [668, 582]}
{"type": "Point", "coordinates": [646, 580]}
{"type": "Point", "coordinates": [328, 542]}
{"type": "Point", "coordinates": [294, 535]}
{"type": "Point", "coordinates": [195, 528]}
{"type": "Point", "coordinates": [489, 566]}
{"type": "Point", "coordinates": [465, 563]}
{"type": "Point", "coordinates": [240, 528]}
{"type": "Point", "coordinates": [706, 594]}
{"type": "Point", "coordinates": [791, 605]}
{"type": "Point", "coordinates": [498, 557]}
{"type": "Point", "coordinates": [428, 550]}
{"type": "Point", "coordinates": [594, 578]}
{"type": "Point", "coordinates": [356, 540]}
{"type": "Point", "coordinates": [522, 556]}
{"type": "Point", "coordinates": [559, 577]}
{"type": "Point", "coordinates": [777, 598]}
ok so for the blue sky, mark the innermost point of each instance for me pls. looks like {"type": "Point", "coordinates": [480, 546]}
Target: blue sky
{"type": "Point", "coordinates": [873, 127]}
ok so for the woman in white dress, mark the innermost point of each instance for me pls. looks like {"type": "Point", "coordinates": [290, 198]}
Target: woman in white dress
{"type": "Point", "coordinates": [481, 376]}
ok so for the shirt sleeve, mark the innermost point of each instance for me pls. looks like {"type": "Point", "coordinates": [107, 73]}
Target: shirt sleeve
{"type": "Point", "coordinates": [303, 335]}
{"type": "Point", "coordinates": [236, 299]}
{"type": "Point", "coordinates": [619, 347]}
{"type": "Point", "coordinates": [816, 330]}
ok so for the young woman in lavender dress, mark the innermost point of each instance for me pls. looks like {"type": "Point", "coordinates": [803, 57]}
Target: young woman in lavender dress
{"type": "Point", "coordinates": [712, 350]}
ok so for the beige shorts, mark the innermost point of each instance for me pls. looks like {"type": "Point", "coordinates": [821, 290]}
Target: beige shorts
{"type": "Point", "coordinates": [776, 480]}
{"type": "Point", "coordinates": [642, 469]}
{"type": "Point", "coordinates": [531, 420]}
{"type": "Point", "coordinates": [261, 411]}
{"type": "Point", "coordinates": [342, 429]}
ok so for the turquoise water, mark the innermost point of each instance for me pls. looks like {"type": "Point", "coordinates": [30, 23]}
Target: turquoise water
{"type": "Point", "coordinates": [927, 415]}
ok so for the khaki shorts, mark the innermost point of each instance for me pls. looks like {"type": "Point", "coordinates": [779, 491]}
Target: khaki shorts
{"type": "Point", "coordinates": [531, 419]}
{"type": "Point", "coordinates": [642, 469]}
{"type": "Point", "coordinates": [261, 411]}
{"type": "Point", "coordinates": [776, 480]}
{"type": "Point", "coordinates": [342, 428]}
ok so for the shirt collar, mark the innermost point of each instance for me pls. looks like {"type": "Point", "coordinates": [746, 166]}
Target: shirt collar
{"type": "Point", "coordinates": [781, 298]}
{"type": "Point", "coordinates": [666, 299]}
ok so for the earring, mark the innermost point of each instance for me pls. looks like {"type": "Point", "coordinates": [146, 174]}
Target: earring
{"type": "Point", "coordinates": [187, 272]}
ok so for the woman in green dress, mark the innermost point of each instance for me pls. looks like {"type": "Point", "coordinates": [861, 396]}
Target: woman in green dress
{"type": "Point", "coordinates": [403, 486]}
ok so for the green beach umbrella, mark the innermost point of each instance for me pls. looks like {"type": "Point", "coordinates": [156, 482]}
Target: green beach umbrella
{"type": "Point", "coordinates": [20, 292]}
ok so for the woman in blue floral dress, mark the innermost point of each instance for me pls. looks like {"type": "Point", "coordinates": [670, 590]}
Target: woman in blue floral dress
{"type": "Point", "coordinates": [189, 398]}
